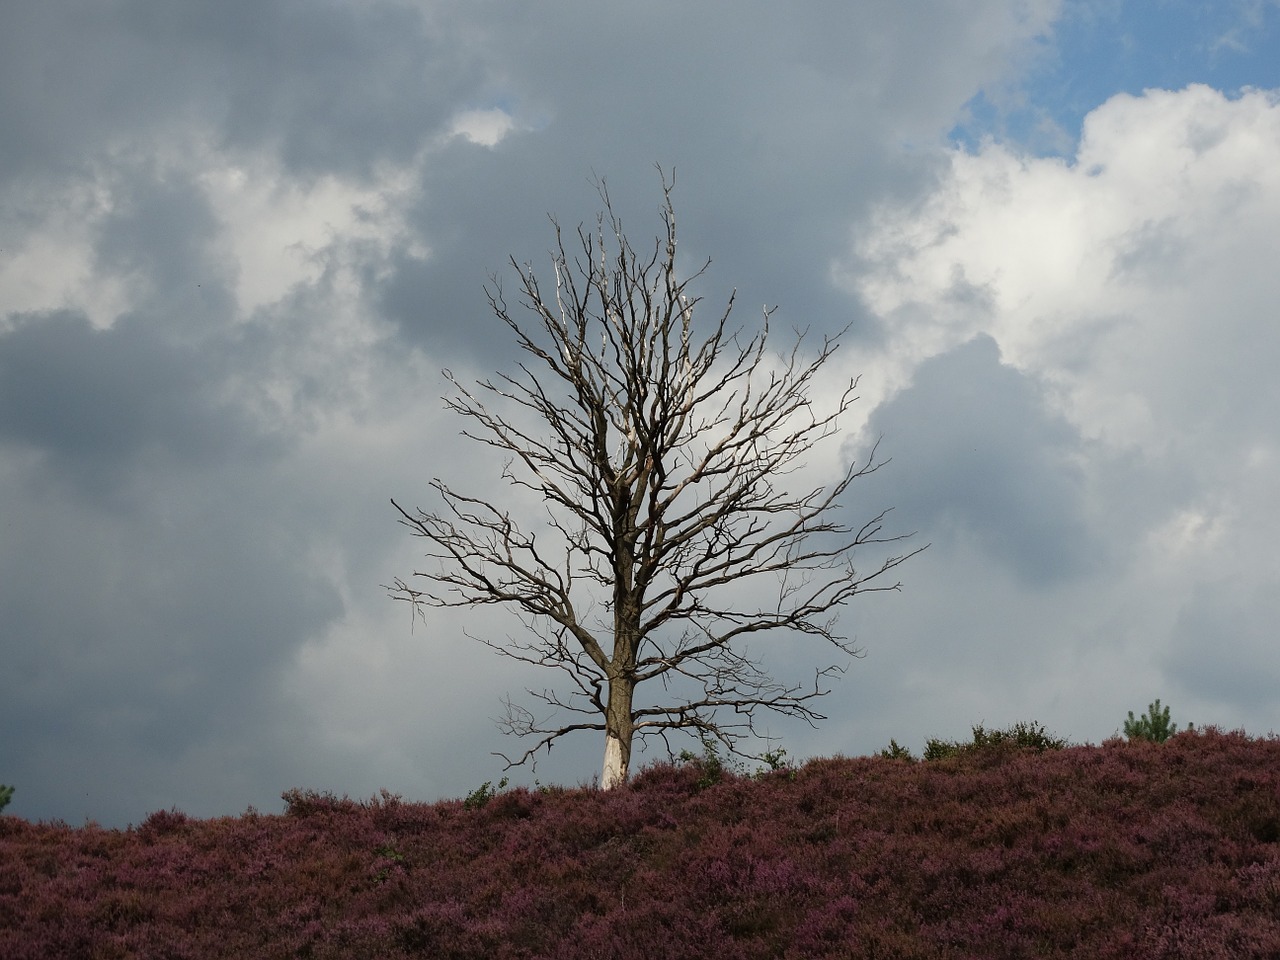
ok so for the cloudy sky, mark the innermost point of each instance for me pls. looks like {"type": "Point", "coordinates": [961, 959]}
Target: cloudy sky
{"type": "Point", "coordinates": [240, 240]}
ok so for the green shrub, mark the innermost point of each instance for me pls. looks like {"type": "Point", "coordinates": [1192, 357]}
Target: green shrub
{"type": "Point", "coordinates": [775, 762]}
{"type": "Point", "coordinates": [6, 794]}
{"type": "Point", "coordinates": [711, 765]}
{"type": "Point", "coordinates": [1154, 726]}
{"type": "Point", "coordinates": [1023, 736]}
{"type": "Point", "coordinates": [895, 751]}
{"type": "Point", "coordinates": [482, 794]}
{"type": "Point", "coordinates": [935, 749]}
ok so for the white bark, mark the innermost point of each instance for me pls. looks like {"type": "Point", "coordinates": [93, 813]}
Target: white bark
{"type": "Point", "coordinates": [615, 774]}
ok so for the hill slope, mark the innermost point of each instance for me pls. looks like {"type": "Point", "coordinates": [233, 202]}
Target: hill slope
{"type": "Point", "coordinates": [1125, 850]}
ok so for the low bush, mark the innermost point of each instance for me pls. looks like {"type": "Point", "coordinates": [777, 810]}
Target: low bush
{"type": "Point", "coordinates": [1021, 736]}
{"type": "Point", "coordinates": [482, 794]}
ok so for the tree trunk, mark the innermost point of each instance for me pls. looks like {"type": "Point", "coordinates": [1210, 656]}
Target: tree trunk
{"type": "Point", "coordinates": [617, 735]}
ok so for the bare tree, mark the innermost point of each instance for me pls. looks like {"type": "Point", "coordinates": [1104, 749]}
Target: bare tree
{"type": "Point", "coordinates": [659, 448]}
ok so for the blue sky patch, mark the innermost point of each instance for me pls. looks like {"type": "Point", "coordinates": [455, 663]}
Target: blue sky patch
{"type": "Point", "coordinates": [1100, 48]}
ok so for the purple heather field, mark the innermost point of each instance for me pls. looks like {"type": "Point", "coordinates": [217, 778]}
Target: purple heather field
{"type": "Point", "coordinates": [1126, 850]}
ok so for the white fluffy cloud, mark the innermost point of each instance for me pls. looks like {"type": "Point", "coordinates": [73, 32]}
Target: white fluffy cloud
{"type": "Point", "coordinates": [1133, 289]}
{"type": "Point", "coordinates": [1122, 277]}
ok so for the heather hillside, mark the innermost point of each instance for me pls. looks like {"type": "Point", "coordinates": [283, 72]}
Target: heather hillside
{"type": "Point", "coordinates": [1125, 850]}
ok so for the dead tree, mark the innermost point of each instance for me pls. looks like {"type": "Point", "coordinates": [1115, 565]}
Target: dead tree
{"type": "Point", "coordinates": [661, 447]}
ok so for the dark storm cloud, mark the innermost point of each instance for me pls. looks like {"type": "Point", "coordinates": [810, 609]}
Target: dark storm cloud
{"type": "Point", "coordinates": [481, 207]}
{"type": "Point", "coordinates": [96, 400]}
{"type": "Point", "coordinates": [128, 644]}
{"type": "Point", "coordinates": [334, 87]}
{"type": "Point", "coordinates": [783, 124]}
{"type": "Point", "coordinates": [339, 87]}
{"type": "Point", "coordinates": [975, 451]}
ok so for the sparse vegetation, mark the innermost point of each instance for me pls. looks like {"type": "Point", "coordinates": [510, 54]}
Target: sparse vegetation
{"type": "Point", "coordinates": [775, 761]}
{"type": "Point", "coordinates": [1109, 851]}
{"type": "Point", "coordinates": [6, 794]}
{"type": "Point", "coordinates": [482, 794]}
{"type": "Point", "coordinates": [710, 765]}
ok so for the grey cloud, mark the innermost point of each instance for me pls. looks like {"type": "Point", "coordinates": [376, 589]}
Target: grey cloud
{"type": "Point", "coordinates": [1223, 647]}
{"type": "Point", "coordinates": [159, 235]}
{"type": "Point", "coordinates": [335, 87]}
{"type": "Point", "coordinates": [482, 206]}
{"type": "Point", "coordinates": [342, 87]}
{"type": "Point", "coordinates": [132, 638]}
{"type": "Point", "coordinates": [1152, 252]}
{"type": "Point", "coordinates": [96, 400]}
{"type": "Point", "coordinates": [975, 450]}
{"type": "Point", "coordinates": [783, 125]}
{"type": "Point", "coordinates": [177, 379]}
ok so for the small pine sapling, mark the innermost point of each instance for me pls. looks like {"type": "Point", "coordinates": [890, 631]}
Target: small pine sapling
{"type": "Point", "coordinates": [1154, 726]}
